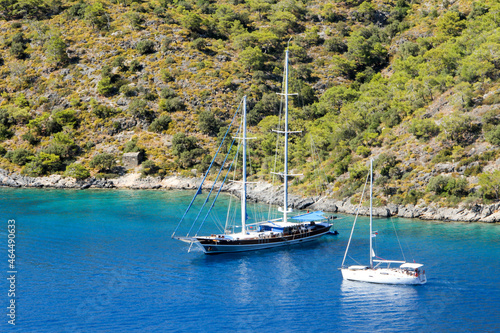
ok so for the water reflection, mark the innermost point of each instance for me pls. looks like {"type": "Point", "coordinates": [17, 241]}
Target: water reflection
{"type": "Point", "coordinates": [370, 305]}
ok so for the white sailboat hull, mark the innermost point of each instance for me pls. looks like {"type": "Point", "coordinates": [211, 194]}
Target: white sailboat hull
{"type": "Point", "coordinates": [383, 276]}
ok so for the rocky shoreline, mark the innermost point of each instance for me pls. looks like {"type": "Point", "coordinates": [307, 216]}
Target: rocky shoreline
{"type": "Point", "coordinates": [259, 192]}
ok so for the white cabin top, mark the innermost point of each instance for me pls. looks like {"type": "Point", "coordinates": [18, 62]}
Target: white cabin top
{"type": "Point", "coordinates": [411, 265]}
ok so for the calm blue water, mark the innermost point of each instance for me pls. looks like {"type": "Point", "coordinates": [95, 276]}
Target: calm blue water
{"type": "Point", "coordinates": [103, 261]}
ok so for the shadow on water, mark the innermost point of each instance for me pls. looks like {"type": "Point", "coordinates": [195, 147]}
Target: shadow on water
{"type": "Point", "coordinates": [311, 247]}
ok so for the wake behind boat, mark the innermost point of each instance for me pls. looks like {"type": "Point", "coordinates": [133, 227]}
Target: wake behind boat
{"type": "Point", "coordinates": [406, 273]}
{"type": "Point", "coordinates": [268, 233]}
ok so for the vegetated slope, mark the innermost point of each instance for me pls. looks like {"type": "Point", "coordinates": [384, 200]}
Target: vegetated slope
{"type": "Point", "coordinates": [414, 85]}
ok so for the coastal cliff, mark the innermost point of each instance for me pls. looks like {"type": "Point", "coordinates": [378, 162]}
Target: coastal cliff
{"type": "Point", "coordinates": [260, 192]}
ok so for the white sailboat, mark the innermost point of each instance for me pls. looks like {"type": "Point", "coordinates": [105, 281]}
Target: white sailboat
{"type": "Point", "coordinates": [286, 230]}
{"type": "Point", "coordinates": [401, 272]}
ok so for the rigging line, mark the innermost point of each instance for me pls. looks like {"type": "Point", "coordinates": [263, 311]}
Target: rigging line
{"type": "Point", "coordinates": [253, 208]}
{"type": "Point", "coordinates": [217, 223]}
{"type": "Point", "coordinates": [249, 173]}
{"type": "Point", "coordinates": [213, 186]}
{"type": "Point", "coordinates": [208, 196]}
{"type": "Point", "coordinates": [220, 226]}
{"type": "Point", "coordinates": [355, 219]}
{"type": "Point", "coordinates": [231, 197]}
{"type": "Point", "coordinates": [316, 169]}
{"type": "Point", "coordinates": [409, 249]}
{"type": "Point", "coordinates": [316, 150]}
{"type": "Point", "coordinates": [206, 174]}
{"type": "Point", "coordinates": [397, 237]}
{"type": "Point", "coordinates": [357, 262]}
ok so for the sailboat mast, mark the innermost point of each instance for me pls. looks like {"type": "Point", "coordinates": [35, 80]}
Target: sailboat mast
{"type": "Point", "coordinates": [371, 212]}
{"type": "Point", "coordinates": [244, 177]}
{"type": "Point", "coordinates": [285, 171]}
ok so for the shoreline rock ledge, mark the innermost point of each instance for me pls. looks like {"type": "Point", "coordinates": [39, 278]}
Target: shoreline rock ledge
{"type": "Point", "coordinates": [259, 192]}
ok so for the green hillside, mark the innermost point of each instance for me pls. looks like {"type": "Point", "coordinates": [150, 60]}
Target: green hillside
{"type": "Point", "coordinates": [413, 84]}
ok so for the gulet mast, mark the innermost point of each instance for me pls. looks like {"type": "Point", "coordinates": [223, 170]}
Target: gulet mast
{"type": "Point", "coordinates": [285, 171]}
{"type": "Point", "coordinates": [371, 213]}
{"type": "Point", "coordinates": [244, 176]}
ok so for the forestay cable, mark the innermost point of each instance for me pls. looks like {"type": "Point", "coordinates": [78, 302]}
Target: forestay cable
{"type": "Point", "coordinates": [198, 191]}
{"type": "Point", "coordinates": [220, 189]}
{"type": "Point", "coordinates": [355, 219]}
{"type": "Point", "coordinates": [212, 188]}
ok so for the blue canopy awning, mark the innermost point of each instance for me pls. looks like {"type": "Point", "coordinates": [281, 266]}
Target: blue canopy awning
{"type": "Point", "coordinates": [309, 217]}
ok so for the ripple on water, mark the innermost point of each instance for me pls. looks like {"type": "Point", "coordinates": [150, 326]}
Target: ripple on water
{"type": "Point", "coordinates": [102, 261]}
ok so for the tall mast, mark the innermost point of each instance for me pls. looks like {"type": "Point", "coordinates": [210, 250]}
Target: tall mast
{"type": "Point", "coordinates": [244, 178]}
{"type": "Point", "coordinates": [371, 212]}
{"type": "Point", "coordinates": [285, 171]}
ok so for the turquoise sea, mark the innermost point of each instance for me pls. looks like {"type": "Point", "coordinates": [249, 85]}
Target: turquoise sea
{"type": "Point", "coordinates": [103, 261]}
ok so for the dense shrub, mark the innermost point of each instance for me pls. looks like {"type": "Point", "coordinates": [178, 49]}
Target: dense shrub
{"type": "Point", "coordinates": [335, 44]}
{"type": "Point", "coordinates": [42, 163]}
{"type": "Point", "coordinates": [460, 128]}
{"type": "Point", "coordinates": [77, 171]}
{"type": "Point", "coordinates": [106, 87]}
{"type": "Point", "coordinates": [19, 156]}
{"type": "Point", "coordinates": [171, 104]}
{"type": "Point", "coordinates": [18, 45]}
{"type": "Point", "coordinates": [77, 10]}
{"type": "Point", "coordinates": [5, 132]}
{"type": "Point", "coordinates": [412, 197]}
{"type": "Point", "coordinates": [132, 147]}
{"type": "Point", "coordinates": [449, 185]}
{"type": "Point", "coordinates": [363, 151]}
{"type": "Point", "coordinates": [160, 124]}
{"type": "Point", "coordinates": [424, 128]}
{"type": "Point", "coordinates": [199, 44]}
{"type": "Point", "coordinates": [120, 63]}
{"type": "Point", "coordinates": [251, 58]}
{"type": "Point", "coordinates": [167, 93]}
{"type": "Point", "coordinates": [97, 16]}
{"type": "Point", "coordinates": [182, 143]}
{"type": "Point", "coordinates": [103, 111]}
{"type": "Point", "coordinates": [135, 66]}
{"type": "Point", "coordinates": [149, 168]}
{"type": "Point", "coordinates": [103, 162]}
{"type": "Point", "coordinates": [30, 138]}
{"type": "Point", "coordinates": [128, 90]}
{"type": "Point", "coordinates": [145, 46]}
{"type": "Point", "coordinates": [207, 123]}
{"type": "Point", "coordinates": [387, 164]}
{"type": "Point", "coordinates": [55, 49]}
{"type": "Point", "coordinates": [66, 118]}
{"type": "Point", "coordinates": [490, 184]}
{"type": "Point", "coordinates": [493, 135]}
{"type": "Point", "coordinates": [166, 76]}
{"type": "Point", "coordinates": [139, 108]}
{"type": "Point", "coordinates": [135, 20]}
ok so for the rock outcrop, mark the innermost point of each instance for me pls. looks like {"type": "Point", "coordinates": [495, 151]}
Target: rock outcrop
{"type": "Point", "coordinates": [260, 192]}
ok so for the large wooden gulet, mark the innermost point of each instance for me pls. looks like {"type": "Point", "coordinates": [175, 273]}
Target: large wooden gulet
{"type": "Point", "coordinates": [270, 233]}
